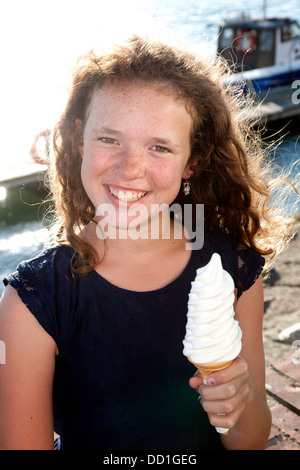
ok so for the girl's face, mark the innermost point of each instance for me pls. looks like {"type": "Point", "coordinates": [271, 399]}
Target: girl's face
{"type": "Point", "coordinates": [136, 147]}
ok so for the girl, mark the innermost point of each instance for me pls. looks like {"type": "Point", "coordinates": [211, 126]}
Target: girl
{"type": "Point", "coordinates": [93, 326]}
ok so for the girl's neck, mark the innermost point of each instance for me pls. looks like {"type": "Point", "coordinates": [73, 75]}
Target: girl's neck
{"type": "Point", "coordinates": [142, 264]}
{"type": "Point", "coordinates": [155, 237]}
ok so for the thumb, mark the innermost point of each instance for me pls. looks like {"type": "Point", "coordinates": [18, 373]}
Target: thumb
{"type": "Point", "coordinates": [195, 381]}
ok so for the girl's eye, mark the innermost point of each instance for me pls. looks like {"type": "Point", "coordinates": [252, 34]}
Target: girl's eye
{"type": "Point", "coordinates": [108, 140]}
{"type": "Point", "coordinates": [160, 149]}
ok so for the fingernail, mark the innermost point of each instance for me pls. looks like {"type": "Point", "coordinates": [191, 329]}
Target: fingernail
{"type": "Point", "coordinates": [211, 381]}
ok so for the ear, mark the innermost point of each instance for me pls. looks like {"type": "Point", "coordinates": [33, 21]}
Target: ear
{"type": "Point", "coordinates": [187, 173]}
{"type": "Point", "coordinates": [78, 127]}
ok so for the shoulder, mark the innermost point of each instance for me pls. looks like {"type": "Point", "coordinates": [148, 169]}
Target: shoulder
{"type": "Point", "coordinates": [44, 285]}
{"type": "Point", "coordinates": [43, 267]}
{"type": "Point", "coordinates": [52, 258]}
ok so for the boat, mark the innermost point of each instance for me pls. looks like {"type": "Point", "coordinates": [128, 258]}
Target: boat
{"type": "Point", "coordinates": [264, 52]}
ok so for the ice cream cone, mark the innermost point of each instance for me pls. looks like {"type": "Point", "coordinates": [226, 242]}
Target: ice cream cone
{"type": "Point", "coordinates": [211, 330]}
{"type": "Point", "coordinates": [208, 368]}
{"type": "Point", "coordinates": [205, 370]}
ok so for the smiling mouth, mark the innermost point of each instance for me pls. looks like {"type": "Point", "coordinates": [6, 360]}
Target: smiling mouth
{"type": "Point", "coordinates": [130, 196]}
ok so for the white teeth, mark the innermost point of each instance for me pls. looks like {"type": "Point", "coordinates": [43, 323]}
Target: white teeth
{"type": "Point", "coordinates": [126, 195]}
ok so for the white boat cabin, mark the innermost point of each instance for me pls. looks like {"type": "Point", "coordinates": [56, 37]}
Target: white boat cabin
{"type": "Point", "coordinates": [252, 44]}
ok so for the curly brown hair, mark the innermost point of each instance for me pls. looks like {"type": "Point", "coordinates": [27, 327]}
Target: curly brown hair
{"type": "Point", "coordinates": [229, 169]}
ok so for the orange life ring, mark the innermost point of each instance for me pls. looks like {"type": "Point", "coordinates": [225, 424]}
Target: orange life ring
{"type": "Point", "coordinates": [246, 41]}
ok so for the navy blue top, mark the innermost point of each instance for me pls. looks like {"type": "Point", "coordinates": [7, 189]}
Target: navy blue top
{"type": "Point", "coordinates": [121, 379]}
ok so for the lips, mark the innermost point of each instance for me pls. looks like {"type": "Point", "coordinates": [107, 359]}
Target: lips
{"type": "Point", "coordinates": [126, 195]}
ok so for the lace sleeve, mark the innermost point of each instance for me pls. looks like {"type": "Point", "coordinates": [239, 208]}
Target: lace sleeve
{"type": "Point", "coordinates": [250, 265]}
{"type": "Point", "coordinates": [35, 294]}
{"type": "Point", "coordinates": [44, 285]}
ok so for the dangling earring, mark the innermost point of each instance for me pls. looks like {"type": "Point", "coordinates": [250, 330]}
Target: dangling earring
{"type": "Point", "coordinates": [186, 187]}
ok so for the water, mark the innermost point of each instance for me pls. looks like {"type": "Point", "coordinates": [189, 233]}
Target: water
{"type": "Point", "coordinates": [22, 229]}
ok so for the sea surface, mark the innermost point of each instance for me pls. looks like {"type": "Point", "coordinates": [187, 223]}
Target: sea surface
{"type": "Point", "coordinates": [23, 231]}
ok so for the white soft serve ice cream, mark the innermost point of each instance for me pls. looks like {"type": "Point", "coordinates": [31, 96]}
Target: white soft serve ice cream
{"type": "Point", "coordinates": [212, 333]}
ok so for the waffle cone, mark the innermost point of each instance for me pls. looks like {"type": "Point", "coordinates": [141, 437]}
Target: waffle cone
{"type": "Point", "coordinates": [208, 368]}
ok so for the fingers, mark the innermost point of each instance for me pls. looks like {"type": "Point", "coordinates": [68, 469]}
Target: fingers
{"type": "Point", "coordinates": [226, 420]}
{"type": "Point", "coordinates": [226, 395]}
{"type": "Point", "coordinates": [237, 368]}
{"type": "Point", "coordinates": [196, 381]}
{"type": "Point", "coordinates": [224, 412]}
{"type": "Point", "coordinates": [238, 387]}
{"type": "Point", "coordinates": [220, 402]}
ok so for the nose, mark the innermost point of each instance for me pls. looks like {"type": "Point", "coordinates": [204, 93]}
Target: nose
{"type": "Point", "coordinates": [131, 163]}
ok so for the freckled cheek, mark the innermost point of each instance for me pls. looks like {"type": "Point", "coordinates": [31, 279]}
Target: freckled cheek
{"type": "Point", "coordinates": [94, 164]}
{"type": "Point", "coordinates": [167, 177]}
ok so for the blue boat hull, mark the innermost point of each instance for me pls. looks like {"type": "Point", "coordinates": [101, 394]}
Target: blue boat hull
{"type": "Point", "coordinates": [264, 83]}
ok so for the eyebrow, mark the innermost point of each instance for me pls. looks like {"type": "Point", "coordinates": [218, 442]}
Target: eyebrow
{"type": "Point", "coordinates": [108, 130]}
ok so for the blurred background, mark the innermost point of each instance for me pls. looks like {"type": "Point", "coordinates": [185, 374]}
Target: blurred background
{"type": "Point", "coordinates": [40, 42]}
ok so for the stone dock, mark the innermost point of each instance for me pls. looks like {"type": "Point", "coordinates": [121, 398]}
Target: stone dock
{"type": "Point", "coordinates": [282, 346]}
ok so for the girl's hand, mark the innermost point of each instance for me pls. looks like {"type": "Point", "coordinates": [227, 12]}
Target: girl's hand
{"type": "Point", "coordinates": [227, 393]}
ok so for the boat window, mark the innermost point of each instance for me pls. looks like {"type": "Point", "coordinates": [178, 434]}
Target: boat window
{"type": "Point", "coordinates": [295, 30]}
{"type": "Point", "coordinates": [226, 38]}
{"type": "Point", "coordinates": [290, 31]}
{"type": "Point", "coordinates": [266, 39]}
